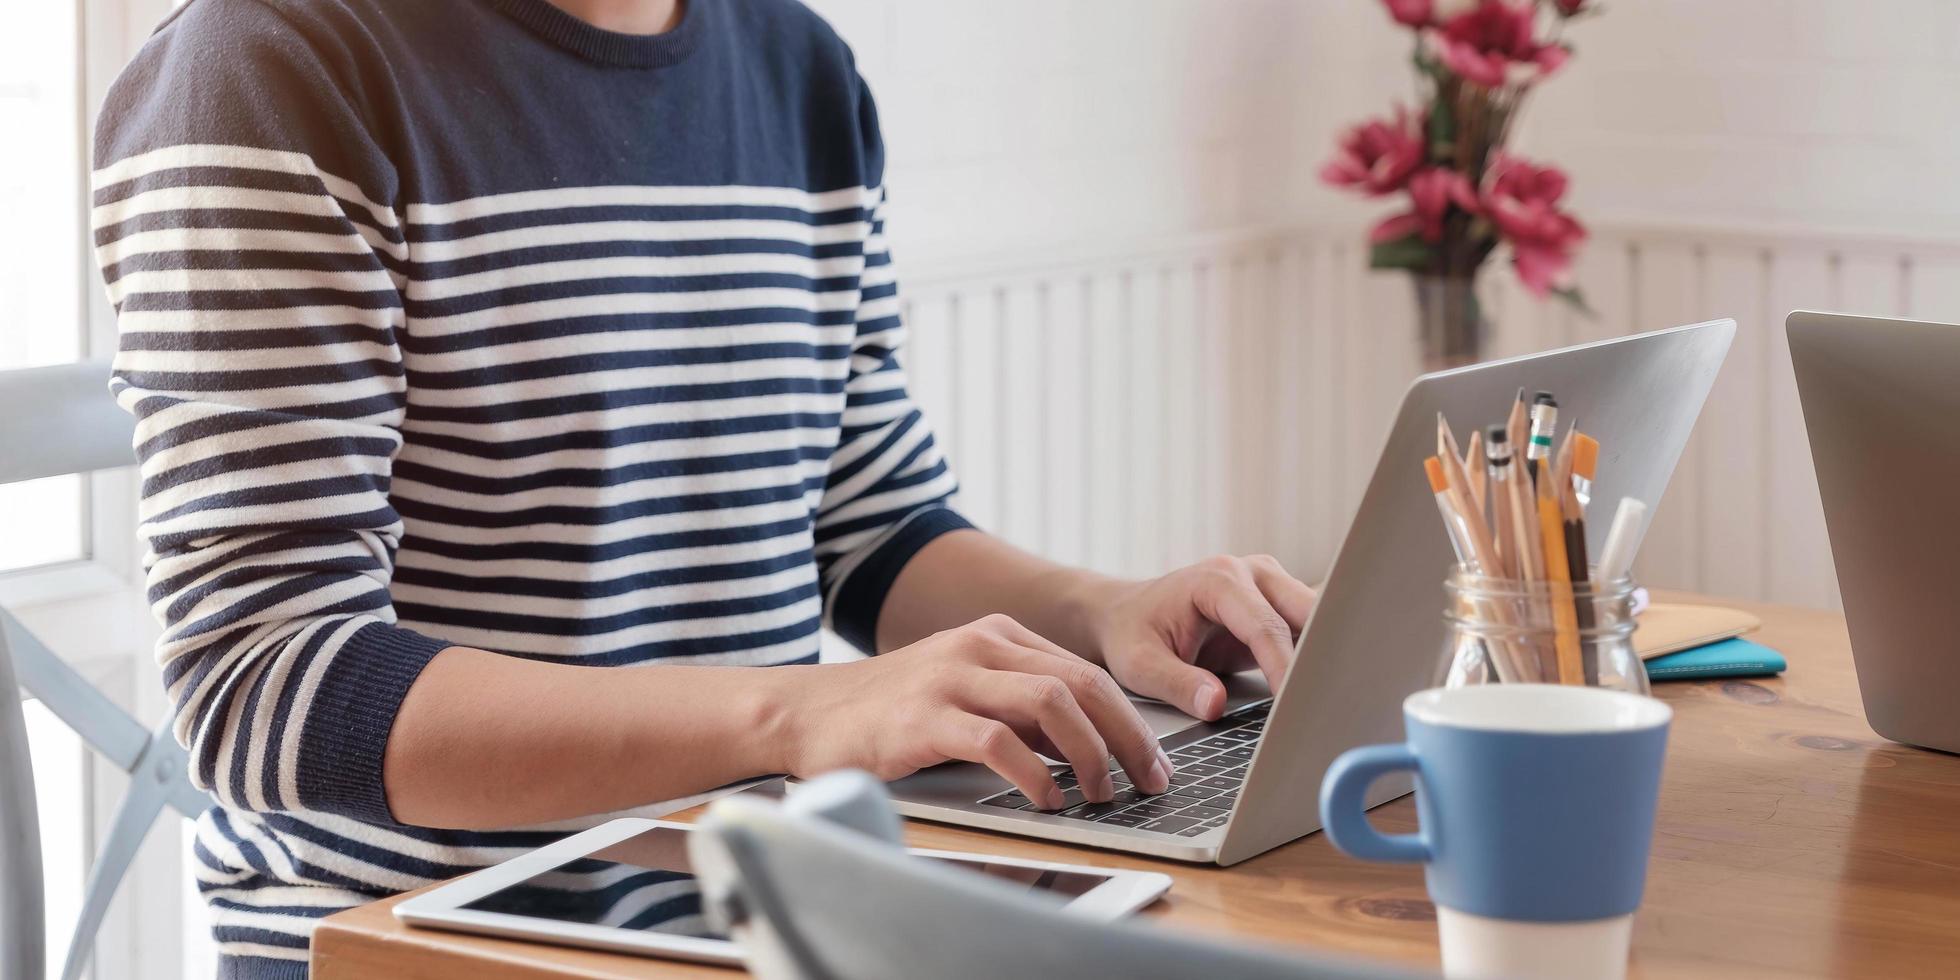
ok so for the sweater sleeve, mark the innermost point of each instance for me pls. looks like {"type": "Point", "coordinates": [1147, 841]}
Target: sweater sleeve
{"type": "Point", "coordinates": [244, 228]}
{"type": "Point", "coordinates": [889, 489]}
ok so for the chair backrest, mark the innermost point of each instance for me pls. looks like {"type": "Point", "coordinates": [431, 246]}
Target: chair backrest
{"type": "Point", "coordinates": [21, 918]}
{"type": "Point", "coordinates": [813, 901]}
{"type": "Point", "coordinates": [60, 420]}
{"type": "Point", "coordinates": [56, 421]}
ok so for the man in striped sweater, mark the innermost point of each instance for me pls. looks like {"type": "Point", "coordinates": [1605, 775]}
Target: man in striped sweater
{"type": "Point", "coordinates": [478, 345]}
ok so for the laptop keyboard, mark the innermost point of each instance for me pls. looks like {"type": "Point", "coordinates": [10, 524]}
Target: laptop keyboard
{"type": "Point", "coordinates": [1205, 780]}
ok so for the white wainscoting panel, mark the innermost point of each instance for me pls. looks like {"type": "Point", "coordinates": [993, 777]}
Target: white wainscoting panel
{"type": "Point", "coordinates": [1136, 411]}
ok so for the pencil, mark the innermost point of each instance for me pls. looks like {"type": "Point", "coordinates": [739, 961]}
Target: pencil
{"type": "Point", "coordinates": [1561, 462]}
{"type": "Point", "coordinates": [1474, 467]}
{"type": "Point", "coordinates": [1517, 428]}
{"type": "Point", "coordinates": [1439, 485]}
{"type": "Point", "coordinates": [1565, 624]}
{"type": "Point", "coordinates": [1473, 554]}
{"type": "Point", "coordinates": [1528, 561]}
{"type": "Point", "coordinates": [1476, 532]}
{"type": "Point", "coordinates": [1563, 482]}
{"type": "Point", "coordinates": [1580, 572]}
{"type": "Point", "coordinates": [1446, 439]}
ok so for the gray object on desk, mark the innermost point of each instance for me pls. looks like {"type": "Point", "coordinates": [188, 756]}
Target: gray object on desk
{"type": "Point", "coordinates": [53, 422]}
{"type": "Point", "coordinates": [1881, 402]}
{"type": "Point", "coordinates": [818, 889]}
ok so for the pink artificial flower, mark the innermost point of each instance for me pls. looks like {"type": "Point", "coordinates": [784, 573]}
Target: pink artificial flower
{"type": "Point", "coordinates": [1492, 42]}
{"type": "Point", "coordinates": [1570, 7]}
{"type": "Point", "coordinates": [1521, 200]}
{"type": "Point", "coordinates": [1377, 156]}
{"type": "Point", "coordinates": [1431, 192]}
{"type": "Point", "coordinates": [1511, 176]}
{"type": "Point", "coordinates": [1414, 13]}
{"type": "Point", "coordinates": [1551, 58]}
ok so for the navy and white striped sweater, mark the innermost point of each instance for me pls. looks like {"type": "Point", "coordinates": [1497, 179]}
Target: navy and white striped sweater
{"type": "Point", "coordinates": [465, 322]}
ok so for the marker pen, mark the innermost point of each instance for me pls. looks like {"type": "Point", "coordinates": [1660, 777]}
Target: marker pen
{"type": "Point", "coordinates": [1544, 425]}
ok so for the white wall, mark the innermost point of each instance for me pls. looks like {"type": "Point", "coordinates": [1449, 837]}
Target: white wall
{"type": "Point", "coordinates": [1791, 112]}
{"type": "Point", "coordinates": [1801, 114]}
{"type": "Point", "coordinates": [1014, 124]}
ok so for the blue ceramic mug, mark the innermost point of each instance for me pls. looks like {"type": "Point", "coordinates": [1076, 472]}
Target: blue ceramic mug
{"type": "Point", "coordinates": [1536, 805]}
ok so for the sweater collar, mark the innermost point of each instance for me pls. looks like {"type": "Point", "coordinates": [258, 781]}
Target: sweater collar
{"type": "Point", "coordinates": [606, 47]}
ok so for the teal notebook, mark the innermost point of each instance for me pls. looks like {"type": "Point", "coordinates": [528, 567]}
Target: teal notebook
{"type": "Point", "coordinates": [1724, 658]}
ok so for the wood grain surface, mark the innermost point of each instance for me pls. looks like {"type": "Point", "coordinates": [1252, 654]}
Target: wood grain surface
{"type": "Point", "coordinates": [1791, 841]}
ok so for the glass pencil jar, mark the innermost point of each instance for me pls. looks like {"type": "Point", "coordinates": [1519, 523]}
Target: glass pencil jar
{"type": "Point", "coordinates": [1510, 631]}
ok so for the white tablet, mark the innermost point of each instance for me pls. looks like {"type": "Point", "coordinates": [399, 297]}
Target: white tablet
{"type": "Point", "coordinates": [627, 886]}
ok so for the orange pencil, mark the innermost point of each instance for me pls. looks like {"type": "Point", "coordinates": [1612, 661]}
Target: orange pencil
{"type": "Point", "coordinates": [1551, 526]}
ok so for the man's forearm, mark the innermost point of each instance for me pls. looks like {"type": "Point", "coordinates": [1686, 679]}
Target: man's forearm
{"type": "Point", "coordinates": [485, 741]}
{"type": "Point", "coordinates": [964, 575]}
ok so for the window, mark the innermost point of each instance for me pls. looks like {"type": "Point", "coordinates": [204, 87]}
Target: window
{"type": "Point", "coordinates": [68, 550]}
{"type": "Point", "coordinates": [43, 255]}
{"type": "Point", "coordinates": [60, 777]}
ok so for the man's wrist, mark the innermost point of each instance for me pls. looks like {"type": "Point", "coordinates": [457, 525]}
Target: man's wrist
{"type": "Point", "coordinates": [772, 718]}
{"type": "Point", "coordinates": [1083, 601]}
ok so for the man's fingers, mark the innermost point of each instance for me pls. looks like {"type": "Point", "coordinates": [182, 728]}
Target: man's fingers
{"type": "Point", "coordinates": [1159, 673]}
{"type": "Point", "coordinates": [992, 743]}
{"type": "Point", "coordinates": [1289, 596]}
{"type": "Point", "coordinates": [1124, 731]}
{"type": "Point", "coordinates": [1046, 701]}
{"type": "Point", "coordinates": [1233, 600]}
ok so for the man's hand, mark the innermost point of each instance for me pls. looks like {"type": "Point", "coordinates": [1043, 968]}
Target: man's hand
{"type": "Point", "coordinates": [991, 692]}
{"type": "Point", "coordinates": [1169, 638]}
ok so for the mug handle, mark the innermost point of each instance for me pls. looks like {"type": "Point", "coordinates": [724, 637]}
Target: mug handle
{"type": "Point", "coordinates": [1343, 813]}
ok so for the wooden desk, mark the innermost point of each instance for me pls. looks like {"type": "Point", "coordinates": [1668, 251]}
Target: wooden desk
{"type": "Point", "coordinates": [1792, 841]}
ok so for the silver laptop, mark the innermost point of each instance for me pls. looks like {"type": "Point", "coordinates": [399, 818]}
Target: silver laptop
{"type": "Point", "coordinates": [1881, 399]}
{"type": "Point", "coordinates": [1251, 781]}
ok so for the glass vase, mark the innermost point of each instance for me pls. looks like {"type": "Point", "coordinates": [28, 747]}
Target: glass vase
{"type": "Point", "coordinates": [1450, 322]}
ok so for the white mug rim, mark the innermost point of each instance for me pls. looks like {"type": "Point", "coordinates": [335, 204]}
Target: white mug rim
{"type": "Point", "coordinates": [1538, 709]}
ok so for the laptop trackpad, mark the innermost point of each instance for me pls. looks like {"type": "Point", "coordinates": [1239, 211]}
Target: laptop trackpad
{"type": "Point", "coordinates": [1240, 690]}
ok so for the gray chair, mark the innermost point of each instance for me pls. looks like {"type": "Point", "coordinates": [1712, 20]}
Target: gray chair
{"type": "Point", "coordinates": [817, 889]}
{"type": "Point", "coordinates": [57, 421]}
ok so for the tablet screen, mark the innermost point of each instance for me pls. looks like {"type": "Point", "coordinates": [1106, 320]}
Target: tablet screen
{"type": "Point", "coordinates": [644, 883]}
